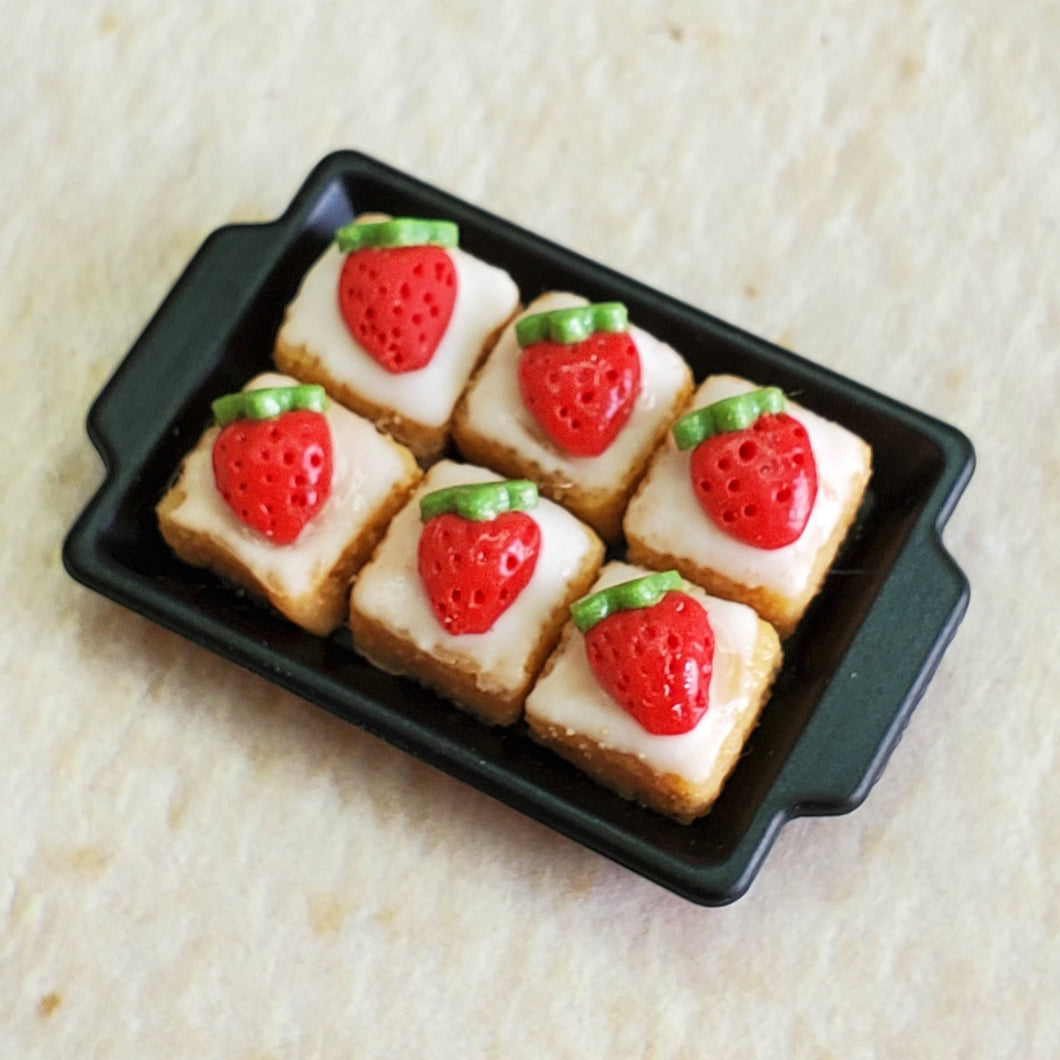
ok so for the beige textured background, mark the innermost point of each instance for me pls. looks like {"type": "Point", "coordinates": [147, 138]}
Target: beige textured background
{"type": "Point", "coordinates": [193, 863]}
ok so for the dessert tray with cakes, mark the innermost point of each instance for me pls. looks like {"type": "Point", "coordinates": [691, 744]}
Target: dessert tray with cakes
{"type": "Point", "coordinates": [641, 575]}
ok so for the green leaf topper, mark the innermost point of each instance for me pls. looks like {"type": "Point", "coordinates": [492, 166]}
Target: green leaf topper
{"type": "Point", "coordinates": [396, 232]}
{"type": "Point", "coordinates": [480, 501]}
{"type": "Point", "coordinates": [626, 596]}
{"type": "Point", "coordinates": [730, 414]}
{"type": "Point", "coordinates": [568, 326]}
{"type": "Point", "coordinates": [268, 402]}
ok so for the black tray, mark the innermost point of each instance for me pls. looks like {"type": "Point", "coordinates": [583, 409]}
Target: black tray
{"type": "Point", "coordinates": [854, 669]}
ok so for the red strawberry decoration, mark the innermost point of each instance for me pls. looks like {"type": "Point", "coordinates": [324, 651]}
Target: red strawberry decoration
{"type": "Point", "coordinates": [397, 288]}
{"type": "Point", "coordinates": [477, 551]}
{"type": "Point", "coordinates": [579, 374]}
{"type": "Point", "coordinates": [651, 647]}
{"type": "Point", "coordinates": [752, 467]}
{"type": "Point", "coordinates": [272, 461]}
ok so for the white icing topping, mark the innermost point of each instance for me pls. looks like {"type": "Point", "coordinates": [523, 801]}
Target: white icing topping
{"type": "Point", "coordinates": [495, 408]}
{"type": "Point", "coordinates": [570, 696]}
{"type": "Point", "coordinates": [366, 467]}
{"type": "Point", "coordinates": [390, 591]}
{"type": "Point", "coordinates": [486, 297]}
{"type": "Point", "coordinates": [667, 516]}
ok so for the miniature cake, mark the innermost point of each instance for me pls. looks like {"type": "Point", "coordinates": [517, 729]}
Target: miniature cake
{"type": "Point", "coordinates": [576, 399]}
{"type": "Point", "coordinates": [655, 687]}
{"type": "Point", "coordinates": [470, 586]}
{"type": "Point", "coordinates": [287, 498]}
{"type": "Point", "coordinates": [392, 320]}
{"type": "Point", "coordinates": [750, 498]}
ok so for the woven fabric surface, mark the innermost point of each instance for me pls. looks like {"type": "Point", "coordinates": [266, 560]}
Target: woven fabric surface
{"type": "Point", "coordinates": [194, 862]}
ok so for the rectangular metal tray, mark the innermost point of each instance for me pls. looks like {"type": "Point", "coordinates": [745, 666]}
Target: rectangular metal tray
{"type": "Point", "coordinates": [854, 669]}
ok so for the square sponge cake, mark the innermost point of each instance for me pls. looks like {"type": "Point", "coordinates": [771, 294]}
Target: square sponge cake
{"type": "Point", "coordinates": [668, 525]}
{"type": "Point", "coordinates": [494, 426]}
{"type": "Point", "coordinates": [671, 762]}
{"type": "Point", "coordinates": [395, 331]}
{"type": "Point", "coordinates": [306, 579]}
{"type": "Point", "coordinates": [485, 662]}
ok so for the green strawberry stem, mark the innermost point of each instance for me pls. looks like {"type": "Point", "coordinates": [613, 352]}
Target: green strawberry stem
{"type": "Point", "coordinates": [730, 414]}
{"type": "Point", "coordinates": [480, 501]}
{"type": "Point", "coordinates": [626, 596]}
{"type": "Point", "coordinates": [396, 232]}
{"type": "Point", "coordinates": [268, 402]}
{"type": "Point", "coordinates": [568, 326]}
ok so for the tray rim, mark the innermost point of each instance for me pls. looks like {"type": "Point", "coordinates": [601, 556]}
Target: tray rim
{"type": "Point", "coordinates": [88, 562]}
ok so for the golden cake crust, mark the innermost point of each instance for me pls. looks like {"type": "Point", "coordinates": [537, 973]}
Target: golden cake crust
{"type": "Point", "coordinates": [782, 612]}
{"type": "Point", "coordinates": [426, 441]}
{"type": "Point", "coordinates": [601, 508]}
{"type": "Point", "coordinates": [319, 611]}
{"type": "Point", "coordinates": [322, 607]}
{"type": "Point", "coordinates": [450, 674]}
{"type": "Point", "coordinates": [668, 793]}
